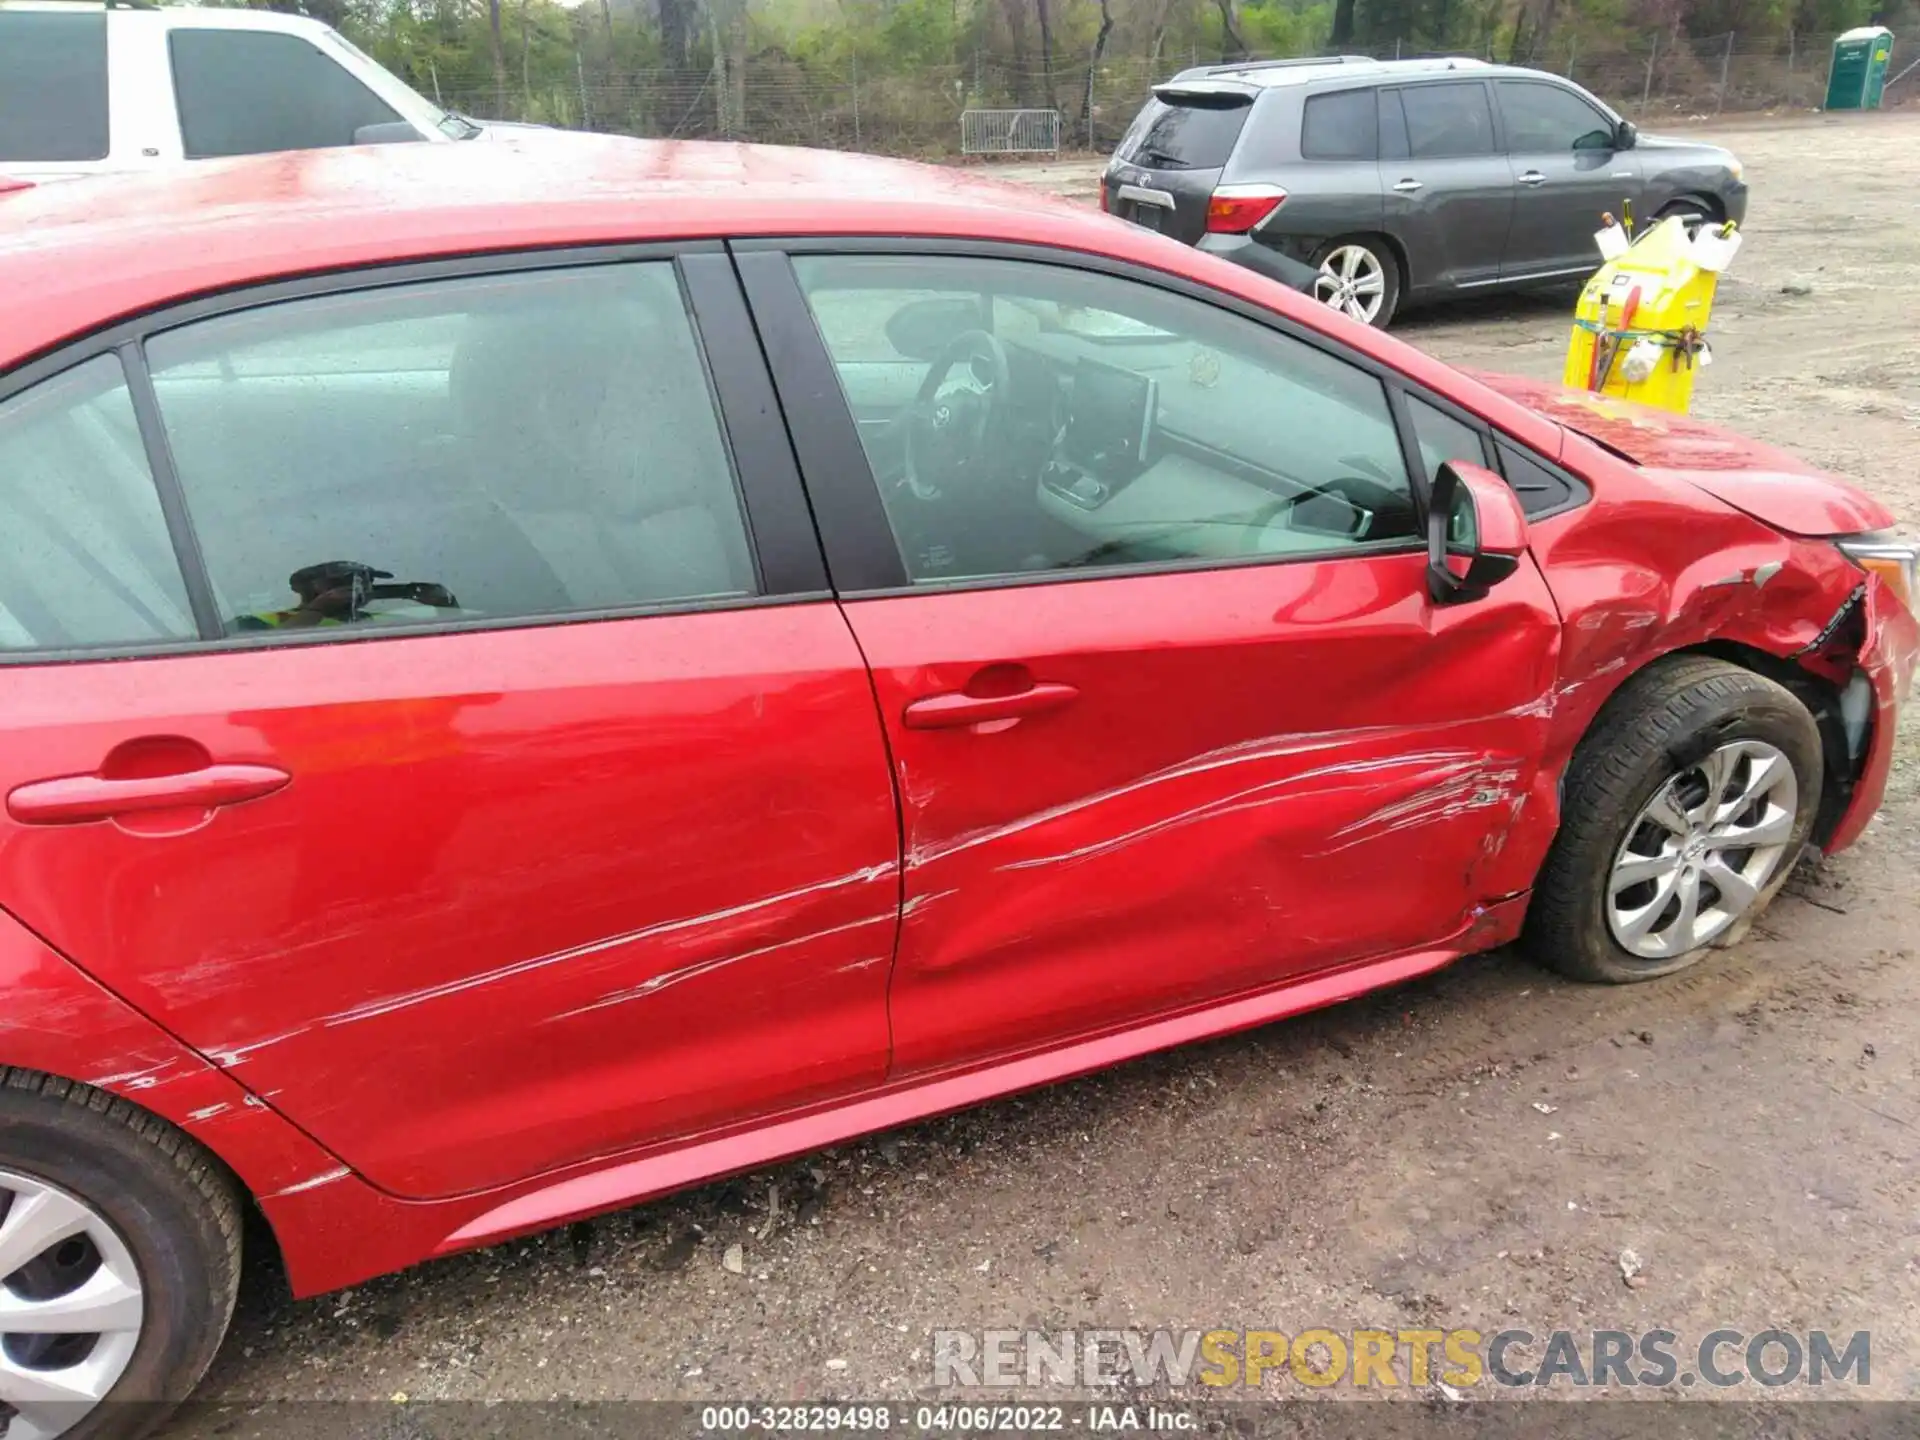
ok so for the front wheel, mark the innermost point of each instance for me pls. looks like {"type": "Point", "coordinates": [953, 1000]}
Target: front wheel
{"type": "Point", "coordinates": [1360, 277]}
{"type": "Point", "coordinates": [119, 1262]}
{"type": "Point", "coordinates": [1683, 813]}
{"type": "Point", "coordinates": [1692, 214]}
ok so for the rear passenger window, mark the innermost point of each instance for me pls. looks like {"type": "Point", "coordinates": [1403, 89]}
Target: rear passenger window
{"type": "Point", "coordinates": [1443, 438]}
{"type": "Point", "coordinates": [84, 554]}
{"type": "Point", "coordinates": [53, 85]}
{"type": "Point", "coordinates": [246, 92]}
{"type": "Point", "coordinates": [1341, 126]}
{"type": "Point", "coordinates": [1447, 120]}
{"type": "Point", "coordinates": [474, 449]}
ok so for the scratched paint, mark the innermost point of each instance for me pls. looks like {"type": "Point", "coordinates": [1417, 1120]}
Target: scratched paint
{"type": "Point", "coordinates": [326, 1177]}
{"type": "Point", "coordinates": [667, 979]}
{"type": "Point", "coordinates": [392, 1003]}
{"type": "Point", "coordinates": [1170, 835]}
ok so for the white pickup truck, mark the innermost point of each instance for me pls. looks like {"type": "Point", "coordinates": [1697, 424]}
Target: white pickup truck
{"type": "Point", "coordinates": [87, 87]}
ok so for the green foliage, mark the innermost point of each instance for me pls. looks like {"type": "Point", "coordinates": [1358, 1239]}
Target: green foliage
{"type": "Point", "coordinates": [895, 73]}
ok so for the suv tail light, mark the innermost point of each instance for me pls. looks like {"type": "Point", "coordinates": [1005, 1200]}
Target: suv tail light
{"type": "Point", "coordinates": [1105, 208]}
{"type": "Point", "coordinates": [1236, 209]}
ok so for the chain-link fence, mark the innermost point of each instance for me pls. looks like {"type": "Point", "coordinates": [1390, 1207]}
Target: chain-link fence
{"type": "Point", "coordinates": [777, 99]}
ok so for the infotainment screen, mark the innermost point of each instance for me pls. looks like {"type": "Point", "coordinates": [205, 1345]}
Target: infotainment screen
{"type": "Point", "coordinates": [1109, 420]}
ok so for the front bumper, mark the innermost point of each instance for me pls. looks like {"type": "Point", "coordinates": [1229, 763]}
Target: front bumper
{"type": "Point", "coordinates": [1734, 197]}
{"type": "Point", "coordinates": [1887, 659]}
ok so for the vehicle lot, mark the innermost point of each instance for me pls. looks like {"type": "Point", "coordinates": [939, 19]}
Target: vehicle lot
{"type": "Point", "coordinates": [1750, 1129]}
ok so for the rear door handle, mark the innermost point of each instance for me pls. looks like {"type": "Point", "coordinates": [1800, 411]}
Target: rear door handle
{"type": "Point", "coordinates": [75, 799]}
{"type": "Point", "coordinates": [943, 712]}
{"type": "Point", "coordinates": [1407, 187]}
{"type": "Point", "coordinates": [1533, 177]}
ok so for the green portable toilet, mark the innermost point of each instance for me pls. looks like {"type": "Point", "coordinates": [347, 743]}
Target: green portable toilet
{"type": "Point", "coordinates": [1859, 71]}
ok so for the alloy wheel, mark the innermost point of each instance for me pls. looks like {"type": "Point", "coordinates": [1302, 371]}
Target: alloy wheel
{"type": "Point", "coordinates": [71, 1308]}
{"type": "Point", "coordinates": [1701, 851]}
{"type": "Point", "coordinates": [1352, 280]}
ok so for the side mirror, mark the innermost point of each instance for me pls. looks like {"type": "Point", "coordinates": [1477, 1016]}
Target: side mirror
{"type": "Point", "coordinates": [1476, 533]}
{"type": "Point", "coordinates": [387, 132]}
{"type": "Point", "coordinates": [1625, 136]}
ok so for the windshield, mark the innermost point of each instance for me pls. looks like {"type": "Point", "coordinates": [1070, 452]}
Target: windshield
{"type": "Point", "coordinates": [411, 103]}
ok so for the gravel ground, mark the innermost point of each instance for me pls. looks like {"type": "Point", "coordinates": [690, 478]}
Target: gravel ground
{"type": "Point", "coordinates": [1474, 1150]}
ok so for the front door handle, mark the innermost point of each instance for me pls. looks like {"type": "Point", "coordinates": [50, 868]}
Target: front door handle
{"type": "Point", "coordinates": [1407, 187]}
{"type": "Point", "coordinates": [944, 712]}
{"type": "Point", "coordinates": [75, 799]}
{"type": "Point", "coordinates": [1533, 177]}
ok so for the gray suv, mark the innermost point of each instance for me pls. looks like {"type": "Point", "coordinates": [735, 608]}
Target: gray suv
{"type": "Point", "coordinates": [1402, 180]}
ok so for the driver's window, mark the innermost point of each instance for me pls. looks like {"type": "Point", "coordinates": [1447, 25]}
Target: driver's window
{"type": "Point", "coordinates": [1544, 119]}
{"type": "Point", "coordinates": [1024, 418]}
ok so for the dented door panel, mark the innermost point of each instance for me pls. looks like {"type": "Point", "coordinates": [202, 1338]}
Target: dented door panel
{"type": "Point", "coordinates": [531, 895]}
{"type": "Point", "coordinates": [1265, 771]}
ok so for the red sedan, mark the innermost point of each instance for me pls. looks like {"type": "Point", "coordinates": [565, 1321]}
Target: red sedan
{"type": "Point", "coordinates": [534, 679]}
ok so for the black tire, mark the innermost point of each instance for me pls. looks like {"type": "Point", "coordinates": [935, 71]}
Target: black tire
{"type": "Point", "coordinates": [1661, 723]}
{"type": "Point", "coordinates": [172, 1204]}
{"type": "Point", "coordinates": [1695, 212]}
{"type": "Point", "coordinates": [1382, 256]}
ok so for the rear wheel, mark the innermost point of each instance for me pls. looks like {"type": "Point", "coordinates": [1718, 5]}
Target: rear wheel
{"type": "Point", "coordinates": [1684, 811]}
{"type": "Point", "coordinates": [119, 1262]}
{"type": "Point", "coordinates": [1360, 277]}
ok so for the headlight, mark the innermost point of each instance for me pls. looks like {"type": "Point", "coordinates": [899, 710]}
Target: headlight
{"type": "Point", "coordinates": [1738, 171]}
{"type": "Point", "coordinates": [1894, 560]}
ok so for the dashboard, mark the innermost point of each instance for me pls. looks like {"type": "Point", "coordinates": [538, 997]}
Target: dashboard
{"type": "Point", "coordinates": [1126, 471]}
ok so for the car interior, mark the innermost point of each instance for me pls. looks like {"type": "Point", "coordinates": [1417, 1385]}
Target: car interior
{"type": "Point", "coordinates": [1023, 427]}
{"type": "Point", "coordinates": [547, 443]}
{"type": "Point", "coordinates": [517, 446]}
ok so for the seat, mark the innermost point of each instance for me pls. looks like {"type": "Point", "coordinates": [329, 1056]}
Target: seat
{"type": "Point", "coordinates": [592, 428]}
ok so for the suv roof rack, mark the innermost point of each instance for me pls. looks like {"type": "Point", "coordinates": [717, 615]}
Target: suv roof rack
{"type": "Point", "coordinates": [1241, 67]}
{"type": "Point", "coordinates": [1441, 60]}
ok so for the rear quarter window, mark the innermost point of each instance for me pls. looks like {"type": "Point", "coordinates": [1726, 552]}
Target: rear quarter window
{"type": "Point", "coordinates": [53, 85]}
{"type": "Point", "coordinates": [1341, 126]}
{"type": "Point", "coordinates": [1191, 132]}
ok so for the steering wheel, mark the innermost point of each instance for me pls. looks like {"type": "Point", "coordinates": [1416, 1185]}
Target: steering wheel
{"type": "Point", "coordinates": [948, 425]}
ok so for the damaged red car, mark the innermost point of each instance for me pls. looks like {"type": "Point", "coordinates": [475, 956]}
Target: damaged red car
{"type": "Point", "coordinates": [536, 679]}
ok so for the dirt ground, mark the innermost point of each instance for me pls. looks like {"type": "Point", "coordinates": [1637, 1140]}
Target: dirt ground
{"type": "Point", "coordinates": [1750, 1130]}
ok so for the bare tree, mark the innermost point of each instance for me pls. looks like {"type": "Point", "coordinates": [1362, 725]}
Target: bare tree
{"type": "Point", "coordinates": [1046, 52]}
{"type": "Point", "coordinates": [1093, 64]}
{"type": "Point", "coordinates": [1232, 47]}
{"type": "Point", "coordinates": [1342, 23]}
{"type": "Point", "coordinates": [676, 32]}
{"type": "Point", "coordinates": [1016, 16]}
{"type": "Point", "coordinates": [499, 58]}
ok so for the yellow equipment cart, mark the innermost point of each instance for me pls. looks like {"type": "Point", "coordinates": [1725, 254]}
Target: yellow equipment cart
{"type": "Point", "coordinates": [1640, 331]}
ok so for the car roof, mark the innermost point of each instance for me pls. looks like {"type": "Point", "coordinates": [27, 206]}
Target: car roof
{"type": "Point", "coordinates": [176, 17]}
{"type": "Point", "coordinates": [1274, 74]}
{"type": "Point", "coordinates": [77, 254]}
